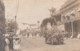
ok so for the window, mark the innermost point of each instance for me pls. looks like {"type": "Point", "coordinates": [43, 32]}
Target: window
{"type": "Point", "coordinates": [68, 17]}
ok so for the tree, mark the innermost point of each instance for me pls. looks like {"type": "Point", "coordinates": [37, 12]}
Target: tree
{"type": "Point", "coordinates": [51, 20]}
{"type": "Point", "coordinates": [44, 22]}
{"type": "Point", "coordinates": [12, 26]}
{"type": "Point", "coordinates": [48, 20]}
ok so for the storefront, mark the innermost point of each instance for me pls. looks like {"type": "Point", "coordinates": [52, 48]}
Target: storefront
{"type": "Point", "coordinates": [70, 17]}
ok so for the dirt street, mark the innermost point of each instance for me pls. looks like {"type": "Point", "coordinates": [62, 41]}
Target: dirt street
{"type": "Point", "coordinates": [38, 44]}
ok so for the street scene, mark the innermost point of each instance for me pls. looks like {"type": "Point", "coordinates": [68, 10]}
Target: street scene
{"type": "Point", "coordinates": [39, 25]}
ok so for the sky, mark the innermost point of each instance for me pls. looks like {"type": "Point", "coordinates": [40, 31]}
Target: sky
{"type": "Point", "coordinates": [30, 11]}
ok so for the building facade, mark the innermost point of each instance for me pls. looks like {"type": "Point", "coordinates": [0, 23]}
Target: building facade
{"type": "Point", "coordinates": [70, 17]}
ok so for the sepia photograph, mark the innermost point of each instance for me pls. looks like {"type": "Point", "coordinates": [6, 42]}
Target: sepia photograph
{"type": "Point", "coordinates": [39, 25]}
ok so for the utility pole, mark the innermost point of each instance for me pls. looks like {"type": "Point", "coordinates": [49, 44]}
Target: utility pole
{"type": "Point", "coordinates": [72, 29]}
{"type": "Point", "coordinates": [17, 8]}
{"type": "Point", "coordinates": [72, 25]}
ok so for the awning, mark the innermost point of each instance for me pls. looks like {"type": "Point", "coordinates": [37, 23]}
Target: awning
{"type": "Point", "coordinates": [71, 12]}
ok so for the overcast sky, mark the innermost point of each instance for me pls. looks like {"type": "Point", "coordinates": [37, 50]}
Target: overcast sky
{"type": "Point", "coordinates": [31, 11]}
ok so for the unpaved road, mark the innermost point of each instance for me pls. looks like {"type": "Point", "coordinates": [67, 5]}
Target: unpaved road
{"type": "Point", "coordinates": [38, 44]}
